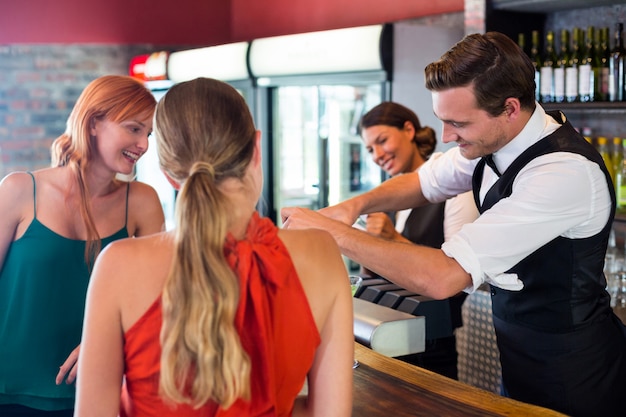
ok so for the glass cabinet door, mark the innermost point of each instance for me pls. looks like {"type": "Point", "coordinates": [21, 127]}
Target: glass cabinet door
{"type": "Point", "coordinates": [319, 158]}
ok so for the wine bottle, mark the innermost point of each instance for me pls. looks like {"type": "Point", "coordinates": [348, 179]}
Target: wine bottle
{"type": "Point", "coordinates": [521, 42]}
{"type": "Point", "coordinates": [589, 69]}
{"type": "Point", "coordinates": [559, 69]}
{"type": "Point", "coordinates": [572, 68]}
{"type": "Point", "coordinates": [535, 57]}
{"type": "Point", "coordinates": [605, 57]}
{"type": "Point", "coordinates": [616, 156]}
{"type": "Point", "coordinates": [616, 66]}
{"type": "Point", "coordinates": [547, 69]}
{"type": "Point", "coordinates": [620, 186]}
{"type": "Point", "coordinates": [603, 149]}
{"type": "Point", "coordinates": [586, 132]}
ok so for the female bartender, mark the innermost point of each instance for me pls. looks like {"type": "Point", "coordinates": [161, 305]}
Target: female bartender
{"type": "Point", "coordinates": [397, 142]}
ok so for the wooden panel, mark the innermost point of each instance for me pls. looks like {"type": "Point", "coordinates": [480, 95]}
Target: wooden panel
{"type": "Point", "coordinates": [388, 387]}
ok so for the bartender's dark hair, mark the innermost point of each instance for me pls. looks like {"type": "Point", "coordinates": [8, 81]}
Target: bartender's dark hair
{"type": "Point", "coordinates": [393, 114]}
{"type": "Point", "coordinates": [493, 64]}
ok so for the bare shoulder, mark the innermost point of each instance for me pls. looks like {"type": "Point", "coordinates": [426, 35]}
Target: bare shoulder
{"type": "Point", "coordinates": [142, 192]}
{"type": "Point", "coordinates": [323, 275]}
{"type": "Point", "coordinates": [315, 254]}
{"type": "Point", "coordinates": [134, 269]}
{"type": "Point", "coordinates": [309, 243]}
{"type": "Point", "coordinates": [18, 183]}
{"type": "Point", "coordinates": [112, 259]}
{"type": "Point", "coordinates": [16, 193]}
{"type": "Point", "coordinates": [133, 255]}
{"type": "Point", "coordinates": [145, 213]}
{"type": "Point", "coordinates": [129, 275]}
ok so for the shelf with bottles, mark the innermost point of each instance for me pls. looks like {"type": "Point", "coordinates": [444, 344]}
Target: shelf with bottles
{"type": "Point", "coordinates": [604, 107]}
{"type": "Point", "coordinates": [544, 6]}
{"type": "Point", "coordinates": [560, 34]}
{"type": "Point", "coordinates": [582, 68]}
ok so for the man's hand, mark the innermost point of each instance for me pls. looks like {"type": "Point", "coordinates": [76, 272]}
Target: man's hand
{"type": "Point", "coordinates": [380, 225]}
{"type": "Point", "coordinates": [302, 218]}
{"type": "Point", "coordinates": [68, 368]}
{"type": "Point", "coordinates": [344, 212]}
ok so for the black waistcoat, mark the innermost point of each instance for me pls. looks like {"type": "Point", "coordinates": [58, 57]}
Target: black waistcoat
{"type": "Point", "coordinates": [564, 283]}
{"type": "Point", "coordinates": [560, 344]}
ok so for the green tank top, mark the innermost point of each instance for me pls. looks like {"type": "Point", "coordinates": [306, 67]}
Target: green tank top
{"type": "Point", "coordinates": [43, 284]}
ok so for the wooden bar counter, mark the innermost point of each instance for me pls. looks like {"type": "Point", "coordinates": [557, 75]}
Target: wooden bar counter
{"type": "Point", "coordinates": [388, 387]}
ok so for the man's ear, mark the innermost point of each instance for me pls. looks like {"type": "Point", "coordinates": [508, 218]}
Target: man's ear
{"type": "Point", "coordinates": [512, 107]}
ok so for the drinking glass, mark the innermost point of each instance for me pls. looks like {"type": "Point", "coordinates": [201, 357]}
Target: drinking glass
{"type": "Point", "coordinates": [355, 283]}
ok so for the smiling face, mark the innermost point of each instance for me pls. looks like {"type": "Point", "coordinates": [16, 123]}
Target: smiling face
{"type": "Point", "coordinates": [392, 149]}
{"type": "Point", "coordinates": [475, 131]}
{"type": "Point", "coordinates": [120, 144]}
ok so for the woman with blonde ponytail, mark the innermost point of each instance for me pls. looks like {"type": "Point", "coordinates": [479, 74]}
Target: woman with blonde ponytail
{"type": "Point", "coordinates": [226, 315]}
{"type": "Point", "coordinates": [53, 223]}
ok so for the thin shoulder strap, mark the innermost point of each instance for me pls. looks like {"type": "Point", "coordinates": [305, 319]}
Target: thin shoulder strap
{"type": "Point", "coordinates": [34, 195]}
{"type": "Point", "coordinates": [127, 192]}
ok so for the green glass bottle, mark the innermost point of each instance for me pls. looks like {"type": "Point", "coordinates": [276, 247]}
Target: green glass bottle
{"type": "Point", "coordinates": [589, 69]}
{"type": "Point", "coordinates": [603, 149]}
{"type": "Point", "coordinates": [605, 57]}
{"type": "Point", "coordinates": [572, 67]}
{"type": "Point", "coordinates": [535, 57]}
{"type": "Point", "coordinates": [521, 42]}
{"type": "Point", "coordinates": [616, 156]}
{"type": "Point", "coordinates": [616, 66]}
{"type": "Point", "coordinates": [559, 70]}
{"type": "Point", "coordinates": [620, 179]}
{"type": "Point", "coordinates": [547, 69]}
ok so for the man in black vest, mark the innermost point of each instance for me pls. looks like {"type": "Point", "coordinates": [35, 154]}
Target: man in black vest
{"type": "Point", "coordinates": [547, 205]}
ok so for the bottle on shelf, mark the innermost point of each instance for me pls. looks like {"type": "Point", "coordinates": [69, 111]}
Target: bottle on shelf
{"type": "Point", "coordinates": [616, 66]}
{"type": "Point", "coordinates": [616, 156]}
{"type": "Point", "coordinates": [572, 67]}
{"type": "Point", "coordinates": [605, 58]}
{"type": "Point", "coordinates": [547, 70]}
{"type": "Point", "coordinates": [586, 132]}
{"type": "Point", "coordinates": [521, 42]}
{"type": "Point", "coordinates": [563, 58]}
{"type": "Point", "coordinates": [589, 68]}
{"type": "Point", "coordinates": [603, 149]}
{"type": "Point", "coordinates": [535, 57]}
{"type": "Point", "coordinates": [620, 179]}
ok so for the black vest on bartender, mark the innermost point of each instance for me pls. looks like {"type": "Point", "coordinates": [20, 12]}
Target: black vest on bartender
{"type": "Point", "coordinates": [564, 283]}
{"type": "Point", "coordinates": [561, 346]}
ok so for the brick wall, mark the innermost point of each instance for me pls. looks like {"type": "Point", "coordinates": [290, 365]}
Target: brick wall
{"type": "Point", "coordinates": [39, 84]}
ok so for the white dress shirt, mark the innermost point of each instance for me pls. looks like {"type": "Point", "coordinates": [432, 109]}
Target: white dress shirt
{"type": "Point", "coordinates": [558, 194]}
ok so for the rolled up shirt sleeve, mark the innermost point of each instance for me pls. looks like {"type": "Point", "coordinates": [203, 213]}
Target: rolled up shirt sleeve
{"type": "Point", "coordinates": [559, 194]}
{"type": "Point", "coordinates": [446, 175]}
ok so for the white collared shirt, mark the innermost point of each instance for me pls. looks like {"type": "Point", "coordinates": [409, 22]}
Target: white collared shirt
{"type": "Point", "coordinates": [558, 194]}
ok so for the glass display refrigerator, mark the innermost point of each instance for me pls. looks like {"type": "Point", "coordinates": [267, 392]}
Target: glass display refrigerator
{"type": "Point", "coordinates": [313, 89]}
